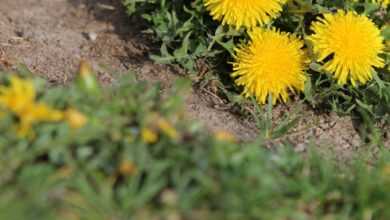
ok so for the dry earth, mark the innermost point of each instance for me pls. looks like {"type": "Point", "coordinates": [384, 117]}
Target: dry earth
{"type": "Point", "coordinates": [51, 36]}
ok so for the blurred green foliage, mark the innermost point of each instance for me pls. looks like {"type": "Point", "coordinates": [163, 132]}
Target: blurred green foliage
{"type": "Point", "coordinates": [109, 169]}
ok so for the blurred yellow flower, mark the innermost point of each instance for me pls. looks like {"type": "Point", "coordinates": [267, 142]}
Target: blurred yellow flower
{"type": "Point", "coordinates": [19, 98]}
{"type": "Point", "coordinates": [149, 136]}
{"type": "Point", "coordinates": [272, 63]}
{"type": "Point", "coordinates": [75, 118]}
{"type": "Point", "coordinates": [167, 128]}
{"type": "Point", "coordinates": [352, 44]}
{"type": "Point", "coordinates": [225, 136]}
{"type": "Point", "coordinates": [35, 113]}
{"type": "Point", "coordinates": [127, 168]}
{"type": "Point", "coordinates": [246, 13]}
{"type": "Point", "coordinates": [18, 95]}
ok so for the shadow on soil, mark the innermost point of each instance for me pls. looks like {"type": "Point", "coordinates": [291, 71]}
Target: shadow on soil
{"type": "Point", "coordinates": [113, 12]}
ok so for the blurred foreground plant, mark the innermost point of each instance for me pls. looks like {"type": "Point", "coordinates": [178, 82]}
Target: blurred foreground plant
{"type": "Point", "coordinates": [108, 169]}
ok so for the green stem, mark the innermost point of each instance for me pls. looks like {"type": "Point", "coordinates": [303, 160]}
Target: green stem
{"type": "Point", "coordinates": [268, 130]}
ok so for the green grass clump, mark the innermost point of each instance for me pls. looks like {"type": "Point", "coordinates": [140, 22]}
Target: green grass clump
{"type": "Point", "coordinates": [137, 157]}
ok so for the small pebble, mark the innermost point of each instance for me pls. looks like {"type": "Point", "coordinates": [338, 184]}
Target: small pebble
{"type": "Point", "coordinates": [92, 36]}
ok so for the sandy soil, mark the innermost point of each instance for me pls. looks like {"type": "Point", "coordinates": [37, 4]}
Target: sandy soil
{"type": "Point", "coordinates": [51, 36]}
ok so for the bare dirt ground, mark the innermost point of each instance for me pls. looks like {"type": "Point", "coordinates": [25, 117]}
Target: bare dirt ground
{"type": "Point", "coordinates": [51, 36]}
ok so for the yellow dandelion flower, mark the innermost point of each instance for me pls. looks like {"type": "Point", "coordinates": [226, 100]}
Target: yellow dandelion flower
{"type": "Point", "coordinates": [19, 98]}
{"type": "Point", "coordinates": [75, 118]}
{"type": "Point", "coordinates": [127, 168]}
{"type": "Point", "coordinates": [225, 136]}
{"type": "Point", "coordinates": [149, 136]}
{"type": "Point", "coordinates": [167, 128]}
{"type": "Point", "coordinates": [352, 44]}
{"type": "Point", "coordinates": [272, 63]}
{"type": "Point", "coordinates": [34, 113]}
{"type": "Point", "coordinates": [247, 13]}
{"type": "Point", "coordinates": [18, 95]}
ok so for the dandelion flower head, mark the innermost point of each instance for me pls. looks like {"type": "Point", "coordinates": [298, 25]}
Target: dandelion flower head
{"type": "Point", "coordinates": [246, 13]}
{"type": "Point", "coordinates": [349, 45]}
{"type": "Point", "coordinates": [272, 63]}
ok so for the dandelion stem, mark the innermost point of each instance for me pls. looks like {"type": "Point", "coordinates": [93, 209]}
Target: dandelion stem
{"type": "Point", "coordinates": [269, 117]}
